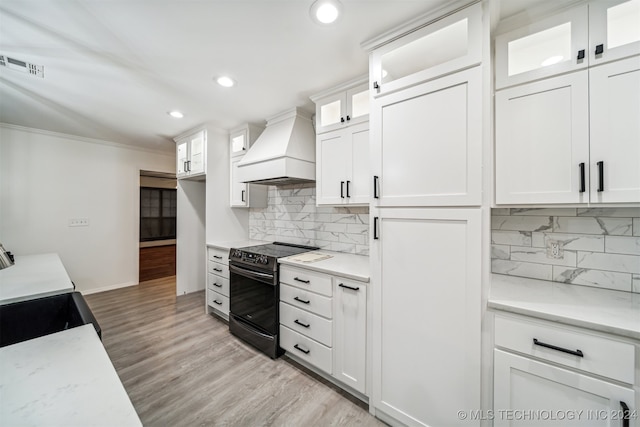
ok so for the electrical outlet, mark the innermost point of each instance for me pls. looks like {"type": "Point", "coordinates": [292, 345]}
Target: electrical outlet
{"type": "Point", "coordinates": [78, 222]}
{"type": "Point", "coordinates": [554, 249]}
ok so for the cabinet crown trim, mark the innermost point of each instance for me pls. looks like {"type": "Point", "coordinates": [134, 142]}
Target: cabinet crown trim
{"type": "Point", "coordinates": [340, 88]}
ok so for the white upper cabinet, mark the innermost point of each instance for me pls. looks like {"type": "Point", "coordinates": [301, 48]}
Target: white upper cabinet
{"type": "Point", "coordinates": [241, 194]}
{"type": "Point", "coordinates": [434, 49]}
{"type": "Point", "coordinates": [427, 143]}
{"type": "Point", "coordinates": [341, 106]}
{"type": "Point", "coordinates": [544, 48]}
{"type": "Point", "coordinates": [191, 155]}
{"type": "Point", "coordinates": [614, 30]}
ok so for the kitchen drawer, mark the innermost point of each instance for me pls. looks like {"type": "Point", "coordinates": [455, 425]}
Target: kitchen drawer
{"type": "Point", "coordinates": [218, 284]}
{"type": "Point", "coordinates": [219, 269]}
{"type": "Point", "coordinates": [306, 279]}
{"type": "Point", "coordinates": [603, 356]}
{"type": "Point", "coordinates": [219, 255]}
{"type": "Point", "coordinates": [309, 301]}
{"type": "Point", "coordinates": [306, 349]}
{"type": "Point", "coordinates": [306, 323]}
{"type": "Point", "coordinates": [218, 301]}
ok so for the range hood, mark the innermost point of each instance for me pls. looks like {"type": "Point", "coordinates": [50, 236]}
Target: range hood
{"type": "Point", "coordinates": [285, 153]}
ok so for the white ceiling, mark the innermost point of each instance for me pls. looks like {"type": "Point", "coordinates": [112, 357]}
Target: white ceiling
{"type": "Point", "coordinates": [114, 68]}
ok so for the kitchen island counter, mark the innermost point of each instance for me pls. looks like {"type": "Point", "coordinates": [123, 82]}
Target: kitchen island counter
{"type": "Point", "coordinates": [65, 378]}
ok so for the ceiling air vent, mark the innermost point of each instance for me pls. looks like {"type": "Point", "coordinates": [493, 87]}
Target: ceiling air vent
{"type": "Point", "coordinates": [25, 67]}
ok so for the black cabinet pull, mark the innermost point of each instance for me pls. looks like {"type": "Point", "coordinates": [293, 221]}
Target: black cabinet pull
{"type": "Point", "coordinates": [599, 49]}
{"type": "Point", "coordinates": [188, 165]}
{"type": "Point", "coordinates": [184, 166]}
{"type": "Point", "coordinates": [341, 119]}
{"type": "Point", "coordinates": [553, 347]}
{"type": "Point", "coordinates": [217, 257]}
{"type": "Point", "coordinates": [342, 285]}
{"type": "Point", "coordinates": [301, 349]}
{"type": "Point", "coordinates": [375, 187]}
{"type": "Point", "coordinates": [580, 54]}
{"type": "Point", "coordinates": [348, 118]}
{"type": "Point", "coordinates": [218, 270]}
{"type": "Point", "coordinates": [242, 196]}
{"type": "Point", "coordinates": [582, 178]}
{"type": "Point", "coordinates": [217, 302]}
{"type": "Point", "coordinates": [626, 414]}
{"type": "Point", "coordinates": [376, 85]}
{"type": "Point", "coordinates": [375, 228]}
{"type": "Point", "coordinates": [342, 189]}
{"type": "Point", "coordinates": [217, 285]}
{"type": "Point", "coordinates": [302, 300]}
{"type": "Point", "coordinates": [304, 325]}
{"type": "Point", "coordinates": [348, 182]}
{"type": "Point", "coordinates": [600, 176]}
{"type": "Point", "coordinates": [300, 280]}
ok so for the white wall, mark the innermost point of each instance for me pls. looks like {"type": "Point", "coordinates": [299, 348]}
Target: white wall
{"type": "Point", "coordinates": [190, 235]}
{"type": "Point", "coordinates": [48, 178]}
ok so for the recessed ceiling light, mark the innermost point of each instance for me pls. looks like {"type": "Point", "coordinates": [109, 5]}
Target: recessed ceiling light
{"type": "Point", "coordinates": [325, 11]}
{"type": "Point", "coordinates": [225, 81]}
{"type": "Point", "coordinates": [176, 114]}
{"type": "Point", "coordinates": [552, 60]}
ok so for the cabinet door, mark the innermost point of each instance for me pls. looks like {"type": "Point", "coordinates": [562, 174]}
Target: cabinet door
{"type": "Point", "coordinates": [197, 145]}
{"type": "Point", "coordinates": [350, 338]}
{"type": "Point", "coordinates": [542, 138]}
{"type": "Point", "coordinates": [528, 387]}
{"type": "Point", "coordinates": [331, 112]}
{"type": "Point", "coordinates": [614, 30]}
{"type": "Point", "coordinates": [615, 131]}
{"type": "Point", "coordinates": [544, 48]}
{"type": "Point", "coordinates": [448, 44]}
{"type": "Point", "coordinates": [238, 143]}
{"type": "Point", "coordinates": [360, 171]}
{"type": "Point", "coordinates": [426, 281]}
{"type": "Point", "coordinates": [333, 157]}
{"type": "Point", "coordinates": [358, 104]}
{"type": "Point", "coordinates": [427, 142]}
{"type": "Point", "coordinates": [239, 196]}
{"type": "Point", "coordinates": [182, 155]}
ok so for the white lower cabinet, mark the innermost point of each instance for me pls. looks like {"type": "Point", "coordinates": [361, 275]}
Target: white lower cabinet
{"type": "Point", "coordinates": [217, 291]}
{"type": "Point", "coordinates": [551, 375]}
{"type": "Point", "coordinates": [323, 322]}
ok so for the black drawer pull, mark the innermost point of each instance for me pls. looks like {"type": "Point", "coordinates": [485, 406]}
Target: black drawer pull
{"type": "Point", "coordinates": [599, 49]}
{"type": "Point", "coordinates": [301, 349]}
{"type": "Point", "coordinates": [302, 281]}
{"type": "Point", "coordinates": [302, 301]}
{"type": "Point", "coordinates": [626, 414]}
{"type": "Point", "coordinates": [583, 186]}
{"type": "Point", "coordinates": [304, 325]}
{"type": "Point", "coordinates": [342, 285]}
{"type": "Point", "coordinates": [600, 176]}
{"type": "Point", "coordinates": [218, 270]}
{"type": "Point", "coordinates": [553, 347]}
{"type": "Point", "coordinates": [581, 54]}
{"type": "Point", "coordinates": [217, 257]}
{"type": "Point", "coordinates": [217, 285]}
{"type": "Point", "coordinates": [217, 302]}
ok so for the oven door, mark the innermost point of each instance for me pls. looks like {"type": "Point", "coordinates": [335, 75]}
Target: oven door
{"type": "Point", "coordinates": [254, 297]}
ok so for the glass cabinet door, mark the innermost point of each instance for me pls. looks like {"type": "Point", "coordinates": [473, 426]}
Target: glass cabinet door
{"type": "Point", "coordinates": [358, 104]}
{"type": "Point", "coordinates": [196, 164]}
{"type": "Point", "coordinates": [614, 30]}
{"type": "Point", "coordinates": [551, 46]}
{"type": "Point", "coordinates": [331, 112]}
{"type": "Point", "coordinates": [238, 143]}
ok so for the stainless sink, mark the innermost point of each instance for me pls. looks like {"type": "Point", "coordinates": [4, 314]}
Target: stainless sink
{"type": "Point", "coordinates": [34, 318]}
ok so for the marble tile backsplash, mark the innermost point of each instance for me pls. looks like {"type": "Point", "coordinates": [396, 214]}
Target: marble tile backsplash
{"type": "Point", "coordinates": [595, 246]}
{"type": "Point", "coordinates": [292, 216]}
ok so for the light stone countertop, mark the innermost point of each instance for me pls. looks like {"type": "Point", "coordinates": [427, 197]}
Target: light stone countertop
{"type": "Point", "coordinates": [604, 310]}
{"type": "Point", "coordinates": [341, 264]}
{"type": "Point", "coordinates": [62, 379]}
{"type": "Point", "coordinates": [33, 276]}
{"type": "Point", "coordinates": [226, 245]}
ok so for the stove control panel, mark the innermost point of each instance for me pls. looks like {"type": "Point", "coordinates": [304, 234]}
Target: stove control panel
{"type": "Point", "coordinates": [250, 257]}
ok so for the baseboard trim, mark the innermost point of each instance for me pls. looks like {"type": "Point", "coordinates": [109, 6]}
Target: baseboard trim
{"type": "Point", "coordinates": [108, 288]}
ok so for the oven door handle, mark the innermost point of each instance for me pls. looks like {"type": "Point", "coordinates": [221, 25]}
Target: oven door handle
{"type": "Point", "coordinates": [252, 274]}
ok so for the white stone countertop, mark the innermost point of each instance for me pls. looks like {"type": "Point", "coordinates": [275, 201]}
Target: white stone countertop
{"type": "Point", "coordinates": [33, 276]}
{"type": "Point", "coordinates": [604, 310]}
{"type": "Point", "coordinates": [341, 264]}
{"type": "Point", "coordinates": [235, 244]}
{"type": "Point", "coordinates": [62, 379]}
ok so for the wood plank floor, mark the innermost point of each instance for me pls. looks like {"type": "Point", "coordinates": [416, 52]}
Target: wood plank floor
{"type": "Point", "coordinates": [182, 367]}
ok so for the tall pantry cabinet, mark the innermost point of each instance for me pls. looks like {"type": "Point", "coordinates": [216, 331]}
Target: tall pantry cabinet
{"type": "Point", "coordinates": [426, 126]}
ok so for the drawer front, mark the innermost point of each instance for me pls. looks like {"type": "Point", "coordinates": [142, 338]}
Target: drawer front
{"type": "Point", "coordinates": [218, 284]}
{"type": "Point", "coordinates": [219, 255]}
{"type": "Point", "coordinates": [219, 269]}
{"type": "Point", "coordinates": [306, 349]}
{"type": "Point", "coordinates": [308, 324]}
{"type": "Point", "coordinates": [218, 301]}
{"type": "Point", "coordinates": [602, 356]}
{"type": "Point", "coordinates": [306, 279]}
{"type": "Point", "coordinates": [306, 300]}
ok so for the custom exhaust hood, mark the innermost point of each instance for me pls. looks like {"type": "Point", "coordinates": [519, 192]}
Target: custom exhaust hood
{"type": "Point", "coordinates": [285, 153]}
